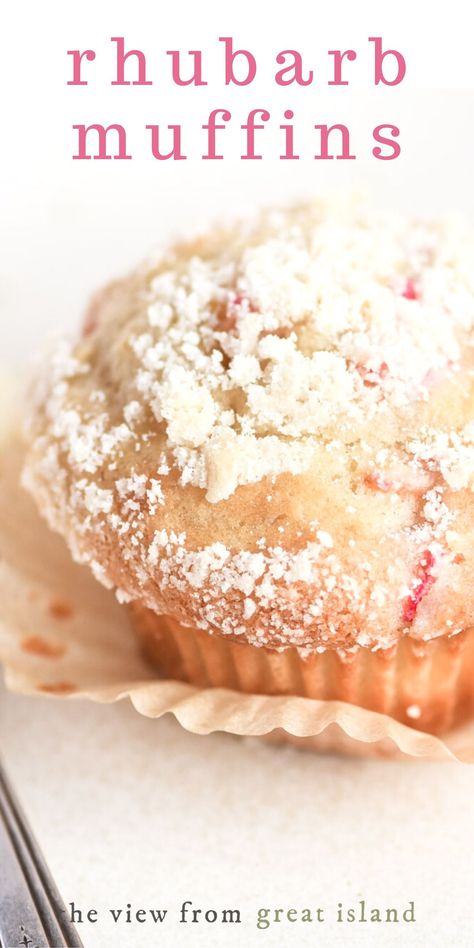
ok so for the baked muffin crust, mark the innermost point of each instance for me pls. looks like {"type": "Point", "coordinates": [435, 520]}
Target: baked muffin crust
{"type": "Point", "coordinates": [267, 433]}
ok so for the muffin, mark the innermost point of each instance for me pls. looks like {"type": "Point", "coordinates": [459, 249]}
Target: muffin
{"type": "Point", "coordinates": [263, 439]}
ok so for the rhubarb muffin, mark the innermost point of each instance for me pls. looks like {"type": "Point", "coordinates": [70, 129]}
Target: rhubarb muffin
{"type": "Point", "coordinates": [263, 439]}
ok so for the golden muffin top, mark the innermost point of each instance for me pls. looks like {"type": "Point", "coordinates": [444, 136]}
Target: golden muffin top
{"type": "Point", "coordinates": [295, 391]}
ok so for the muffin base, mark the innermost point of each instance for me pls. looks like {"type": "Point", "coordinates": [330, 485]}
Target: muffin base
{"type": "Point", "coordinates": [427, 685]}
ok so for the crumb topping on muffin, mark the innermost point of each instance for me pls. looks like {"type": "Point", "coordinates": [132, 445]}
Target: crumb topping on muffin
{"type": "Point", "coordinates": [269, 432]}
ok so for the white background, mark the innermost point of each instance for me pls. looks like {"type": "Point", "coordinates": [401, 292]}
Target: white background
{"type": "Point", "coordinates": [130, 810]}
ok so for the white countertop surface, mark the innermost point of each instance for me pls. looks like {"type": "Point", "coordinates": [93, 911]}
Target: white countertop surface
{"type": "Point", "coordinates": [130, 810]}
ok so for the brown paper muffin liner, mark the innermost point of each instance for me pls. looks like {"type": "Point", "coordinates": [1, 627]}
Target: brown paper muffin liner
{"type": "Point", "coordinates": [427, 685]}
{"type": "Point", "coordinates": [65, 636]}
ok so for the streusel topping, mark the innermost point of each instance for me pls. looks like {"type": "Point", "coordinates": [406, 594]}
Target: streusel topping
{"type": "Point", "coordinates": [324, 338]}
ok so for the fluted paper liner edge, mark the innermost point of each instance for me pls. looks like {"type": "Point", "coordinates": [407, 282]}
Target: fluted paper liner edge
{"type": "Point", "coordinates": [63, 634]}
